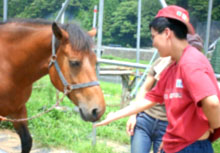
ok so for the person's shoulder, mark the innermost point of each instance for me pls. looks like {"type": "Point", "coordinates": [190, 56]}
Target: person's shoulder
{"type": "Point", "coordinates": [168, 70]}
{"type": "Point", "coordinates": [160, 65]}
{"type": "Point", "coordinates": [162, 62]}
{"type": "Point", "coordinates": [193, 60]}
{"type": "Point", "coordinates": [192, 56]}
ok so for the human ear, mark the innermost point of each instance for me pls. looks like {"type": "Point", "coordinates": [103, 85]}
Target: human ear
{"type": "Point", "coordinates": [168, 32]}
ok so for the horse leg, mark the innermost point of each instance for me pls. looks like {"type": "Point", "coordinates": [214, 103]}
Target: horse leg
{"type": "Point", "coordinates": [22, 130]}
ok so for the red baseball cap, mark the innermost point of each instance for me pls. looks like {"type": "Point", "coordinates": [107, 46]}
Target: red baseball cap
{"type": "Point", "coordinates": [178, 13]}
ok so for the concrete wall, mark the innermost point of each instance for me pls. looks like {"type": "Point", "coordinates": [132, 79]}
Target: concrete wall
{"type": "Point", "coordinates": [129, 53]}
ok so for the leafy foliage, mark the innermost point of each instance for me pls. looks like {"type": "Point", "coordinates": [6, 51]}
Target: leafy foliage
{"type": "Point", "coordinates": [120, 16]}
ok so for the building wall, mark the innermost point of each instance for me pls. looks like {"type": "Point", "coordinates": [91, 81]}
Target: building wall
{"type": "Point", "coordinates": [145, 54]}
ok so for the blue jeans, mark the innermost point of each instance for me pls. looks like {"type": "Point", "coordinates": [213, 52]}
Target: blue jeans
{"type": "Point", "coordinates": [203, 146]}
{"type": "Point", "coordinates": [148, 131]}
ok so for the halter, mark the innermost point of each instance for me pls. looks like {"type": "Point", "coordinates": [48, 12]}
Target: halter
{"type": "Point", "coordinates": [67, 87]}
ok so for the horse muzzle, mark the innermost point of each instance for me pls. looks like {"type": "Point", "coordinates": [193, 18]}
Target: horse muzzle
{"type": "Point", "coordinates": [92, 115]}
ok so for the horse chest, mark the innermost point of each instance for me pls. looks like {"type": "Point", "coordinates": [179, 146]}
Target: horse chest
{"type": "Point", "coordinates": [14, 97]}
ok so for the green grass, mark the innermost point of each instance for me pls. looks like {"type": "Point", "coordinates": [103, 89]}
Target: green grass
{"type": "Point", "coordinates": [216, 146]}
{"type": "Point", "coordinates": [66, 130]}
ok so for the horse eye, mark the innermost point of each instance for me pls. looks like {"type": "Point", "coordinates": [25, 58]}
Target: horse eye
{"type": "Point", "coordinates": [74, 63]}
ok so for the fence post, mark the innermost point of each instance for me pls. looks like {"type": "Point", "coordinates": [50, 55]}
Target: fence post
{"type": "Point", "coordinates": [163, 3]}
{"type": "Point", "coordinates": [208, 26]}
{"type": "Point", "coordinates": [62, 10]}
{"type": "Point", "coordinates": [138, 38]}
{"type": "Point", "coordinates": [5, 10]}
{"type": "Point", "coordinates": [94, 16]}
{"type": "Point", "coordinates": [63, 15]}
{"type": "Point", "coordinates": [139, 83]}
{"type": "Point", "coordinates": [99, 39]}
{"type": "Point", "coordinates": [98, 48]}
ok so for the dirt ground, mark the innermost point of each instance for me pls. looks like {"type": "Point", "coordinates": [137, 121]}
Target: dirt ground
{"type": "Point", "coordinates": [10, 143]}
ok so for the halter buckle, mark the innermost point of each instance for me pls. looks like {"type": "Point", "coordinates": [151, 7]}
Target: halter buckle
{"type": "Point", "coordinates": [67, 89]}
{"type": "Point", "coordinates": [53, 58]}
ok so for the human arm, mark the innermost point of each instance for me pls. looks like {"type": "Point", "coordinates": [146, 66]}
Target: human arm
{"type": "Point", "coordinates": [211, 109]}
{"type": "Point", "coordinates": [131, 123]}
{"type": "Point", "coordinates": [134, 108]}
{"type": "Point", "coordinates": [147, 85]}
{"type": "Point", "coordinates": [204, 91]}
{"type": "Point", "coordinates": [160, 148]}
{"type": "Point", "coordinates": [156, 95]}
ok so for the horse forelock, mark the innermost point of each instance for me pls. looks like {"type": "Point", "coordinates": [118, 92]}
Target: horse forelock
{"type": "Point", "coordinates": [79, 39]}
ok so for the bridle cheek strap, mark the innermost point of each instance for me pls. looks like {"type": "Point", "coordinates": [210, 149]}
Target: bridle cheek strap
{"type": "Point", "coordinates": [69, 87]}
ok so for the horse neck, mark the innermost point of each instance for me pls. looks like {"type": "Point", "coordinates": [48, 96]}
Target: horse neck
{"type": "Point", "coordinates": [32, 51]}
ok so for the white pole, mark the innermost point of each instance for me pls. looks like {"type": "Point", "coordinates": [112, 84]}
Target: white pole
{"type": "Point", "coordinates": [206, 47]}
{"type": "Point", "coordinates": [94, 17]}
{"type": "Point", "coordinates": [63, 15]}
{"type": "Point", "coordinates": [5, 10]}
{"type": "Point", "coordinates": [100, 23]}
{"type": "Point", "coordinates": [138, 84]}
{"type": "Point", "coordinates": [99, 45]}
{"type": "Point", "coordinates": [138, 36]}
{"type": "Point", "coordinates": [62, 10]}
{"type": "Point", "coordinates": [163, 3]}
{"type": "Point", "coordinates": [99, 38]}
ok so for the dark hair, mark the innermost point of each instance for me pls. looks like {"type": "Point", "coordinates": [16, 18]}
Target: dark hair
{"type": "Point", "coordinates": [179, 28]}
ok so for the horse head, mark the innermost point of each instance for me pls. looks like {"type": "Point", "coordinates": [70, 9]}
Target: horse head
{"type": "Point", "coordinates": [77, 63]}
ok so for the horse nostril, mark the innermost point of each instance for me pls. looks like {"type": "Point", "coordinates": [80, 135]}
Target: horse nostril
{"type": "Point", "coordinates": [95, 112]}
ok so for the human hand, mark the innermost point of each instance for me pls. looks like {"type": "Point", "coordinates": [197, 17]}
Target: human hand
{"type": "Point", "coordinates": [160, 148]}
{"type": "Point", "coordinates": [106, 121]}
{"type": "Point", "coordinates": [211, 130]}
{"type": "Point", "coordinates": [131, 124]}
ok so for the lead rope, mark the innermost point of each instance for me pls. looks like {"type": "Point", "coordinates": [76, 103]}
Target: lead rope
{"type": "Point", "coordinates": [2, 118]}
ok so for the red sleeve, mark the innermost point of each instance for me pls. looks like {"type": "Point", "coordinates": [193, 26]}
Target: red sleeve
{"type": "Point", "coordinates": [198, 82]}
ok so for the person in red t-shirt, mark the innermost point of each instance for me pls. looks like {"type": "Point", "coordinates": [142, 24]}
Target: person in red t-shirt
{"type": "Point", "coordinates": [188, 88]}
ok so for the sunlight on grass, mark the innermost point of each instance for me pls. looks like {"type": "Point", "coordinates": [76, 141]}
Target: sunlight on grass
{"type": "Point", "coordinates": [66, 130]}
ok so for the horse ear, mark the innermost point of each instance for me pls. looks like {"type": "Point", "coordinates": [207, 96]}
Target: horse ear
{"type": "Point", "coordinates": [92, 32]}
{"type": "Point", "coordinates": [58, 32]}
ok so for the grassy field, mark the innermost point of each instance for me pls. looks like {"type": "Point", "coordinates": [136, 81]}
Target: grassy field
{"type": "Point", "coordinates": [66, 130]}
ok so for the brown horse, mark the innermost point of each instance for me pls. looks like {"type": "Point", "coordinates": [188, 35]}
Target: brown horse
{"type": "Point", "coordinates": [25, 56]}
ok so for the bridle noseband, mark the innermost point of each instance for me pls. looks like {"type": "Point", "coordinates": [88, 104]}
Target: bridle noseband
{"type": "Point", "coordinates": [67, 87]}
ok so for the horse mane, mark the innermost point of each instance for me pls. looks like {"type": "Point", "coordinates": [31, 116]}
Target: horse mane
{"type": "Point", "coordinates": [79, 39]}
{"type": "Point", "coordinates": [36, 21]}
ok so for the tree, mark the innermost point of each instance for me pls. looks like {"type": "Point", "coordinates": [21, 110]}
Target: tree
{"type": "Point", "coordinates": [149, 10]}
{"type": "Point", "coordinates": [109, 8]}
{"type": "Point", "coordinates": [120, 16]}
{"type": "Point", "coordinates": [123, 23]}
{"type": "Point", "coordinates": [85, 13]}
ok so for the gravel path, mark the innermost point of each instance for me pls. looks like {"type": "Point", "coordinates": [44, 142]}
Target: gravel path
{"type": "Point", "coordinates": [10, 143]}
